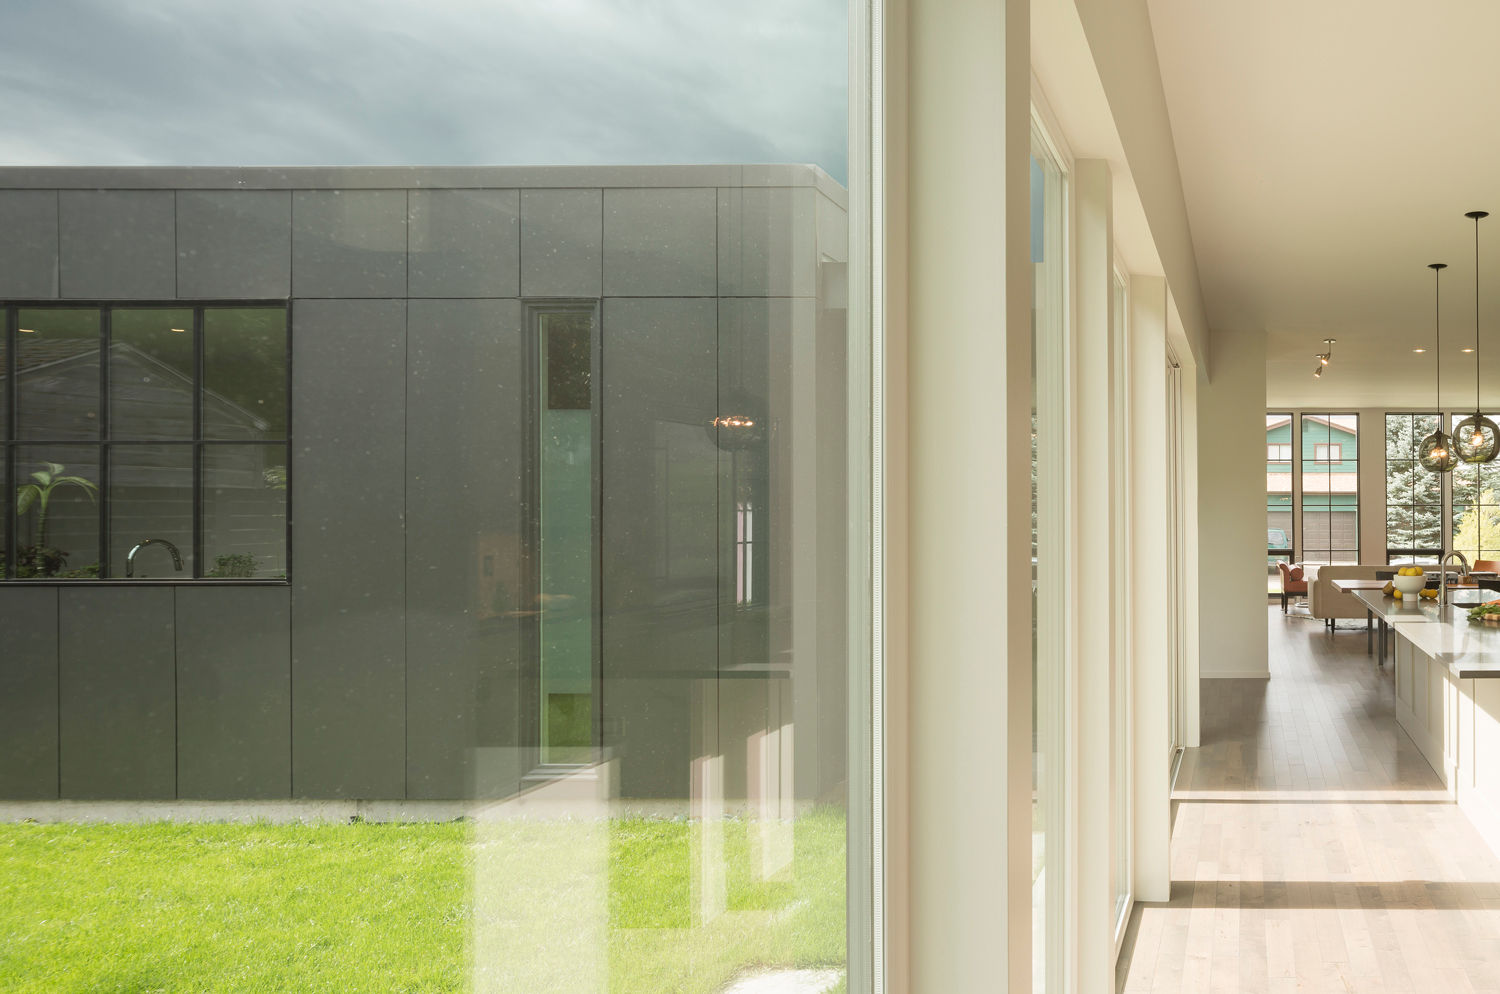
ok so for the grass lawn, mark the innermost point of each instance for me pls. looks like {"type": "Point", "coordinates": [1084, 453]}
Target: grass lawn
{"type": "Point", "coordinates": [410, 907]}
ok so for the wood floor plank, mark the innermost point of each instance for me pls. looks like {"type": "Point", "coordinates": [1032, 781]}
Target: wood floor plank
{"type": "Point", "coordinates": [1313, 848]}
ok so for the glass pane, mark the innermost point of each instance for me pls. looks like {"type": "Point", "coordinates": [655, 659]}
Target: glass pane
{"type": "Point", "coordinates": [1049, 304]}
{"type": "Point", "coordinates": [244, 511]}
{"type": "Point", "coordinates": [150, 374]}
{"type": "Point", "coordinates": [244, 373]}
{"type": "Point", "coordinates": [57, 511]}
{"type": "Point", "coordinates": [151, 511]}
{"type": "Point", "coordinates": [1330, 486]}
{"type": "Point", "coordinates": [567, 537]}
{"type": "Point", "coordinates": [57, 374]}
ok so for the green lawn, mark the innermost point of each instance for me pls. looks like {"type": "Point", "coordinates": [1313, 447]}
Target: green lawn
{"type": "Point", "coordinates": [411, 907]}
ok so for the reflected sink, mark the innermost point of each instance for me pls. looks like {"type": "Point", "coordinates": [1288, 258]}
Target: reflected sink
{"type": "Point", "coordinates": [1469, 596]}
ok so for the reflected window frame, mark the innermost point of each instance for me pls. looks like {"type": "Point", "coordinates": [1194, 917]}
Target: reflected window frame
{"type": "Point", "coordinates": [13, 474]}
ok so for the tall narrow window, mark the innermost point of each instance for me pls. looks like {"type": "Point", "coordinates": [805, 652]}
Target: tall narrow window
{"type": "Point", "coordinates": [1413, 495]}
{"type": "Point", "coordinates": [1278, 497]}
{"type": "Point", "coordinates": [1048, 324]}
{"type": "Point", "coordinates": [1330, 488]}
{"type": "Point", "coordinates": [567, 504]}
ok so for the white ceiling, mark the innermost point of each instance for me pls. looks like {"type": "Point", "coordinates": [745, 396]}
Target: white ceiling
{"type": "Point", "coordinates": [1328, 152]}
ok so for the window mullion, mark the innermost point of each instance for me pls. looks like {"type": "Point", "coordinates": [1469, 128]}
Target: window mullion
{"type": "Point", "coordinates": [106, 343]}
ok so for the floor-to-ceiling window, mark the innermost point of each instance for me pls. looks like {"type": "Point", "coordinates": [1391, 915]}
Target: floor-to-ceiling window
{"type": "Point", "coordinates": [1329, 468]}
{"type": "Point", "coordinates": [530, 470]}
{"type": "Point", "coordinates": [1476, 506]}
{"type": "Point", "coordinates": [1049, 316]}
{"type": "Point", "coordinates": [1413, 495]}
{"type": "Point", "coordinates": [1279, 518]}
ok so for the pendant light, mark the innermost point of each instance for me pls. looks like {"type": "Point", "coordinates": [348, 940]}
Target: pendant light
{"type": "Point", "coordinates": [1436, 451]}
{"type": "Point", "coordinates": [1477, 437]}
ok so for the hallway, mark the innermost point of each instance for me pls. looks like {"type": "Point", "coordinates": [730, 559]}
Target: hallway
{"type": "Point", "coordinates": [1313, 848]}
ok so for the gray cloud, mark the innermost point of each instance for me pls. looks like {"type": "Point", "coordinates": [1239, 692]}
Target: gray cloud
{"type": "Point", "coordinates": [402, 82]}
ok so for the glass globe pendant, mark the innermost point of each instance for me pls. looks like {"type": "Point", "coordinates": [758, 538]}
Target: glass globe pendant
{"type": "Point", "coordinates": [1436, 452]}
{"type": "Point", "coordinates": [1477, 437]}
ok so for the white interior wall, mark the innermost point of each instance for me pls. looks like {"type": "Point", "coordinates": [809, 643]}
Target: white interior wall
{"type": "Point", "coordinates": [1232, 510]}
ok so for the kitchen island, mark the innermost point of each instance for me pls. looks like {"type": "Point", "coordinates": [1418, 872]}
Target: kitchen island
{"type": "Point", "coordinates": [1447, 690]}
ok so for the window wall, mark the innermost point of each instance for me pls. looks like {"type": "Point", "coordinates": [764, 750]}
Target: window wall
{"type": "Point", "coordinates": [1413, 495]}
{"type": "Point", "coordinates": [550, 438]}
{"type": "Point", "coordinates": [1329, 470]}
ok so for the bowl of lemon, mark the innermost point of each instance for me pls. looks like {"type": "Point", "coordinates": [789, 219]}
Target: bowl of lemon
{"type": "Point", "coordinates": [1408, 581]}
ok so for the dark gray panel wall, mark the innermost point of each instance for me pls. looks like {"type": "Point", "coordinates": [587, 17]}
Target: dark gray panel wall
{"type": "Point", "coordinates": [234, 688]}
{"type": "Point", "coordinates": [117, 244]}
{"type": "Point", "coordinates": [464, 243]}
{"type": "Point", "coordinates": [464, 572]}
{"type": "Point", "coordinates": [563, 232]}
{"type": "Point", "coordinates": [234, 243]}
{"type": "Point", "coordinates": [28, 694]}
{"type": "Point", "coordinates": [118, 709]}
{"type": "Point", "coordinates": [348, 549]}
{"type": "Point", "coordinates": [349, 243]}
{"type": "Point", "coordinates": [660, 533]}
{"type": "Point", "coordinates": [28, 244]}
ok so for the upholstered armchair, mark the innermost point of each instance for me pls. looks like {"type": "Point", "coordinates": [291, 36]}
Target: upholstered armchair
{"type": "Point", "coordinates": [1292, 583]}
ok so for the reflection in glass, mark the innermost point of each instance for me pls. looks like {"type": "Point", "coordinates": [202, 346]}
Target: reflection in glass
{"type": "Point", "coordinates": [244, 373]}
{"type": "Point", "coordinates": [57, 374]}
{"type": "Point", "coordinates": [150, 373]}
{"type": "Point", "coordinates": [57, 512]}
{"type": "Point", "coordinates": [150, 497]}
{"type": "Point", "coordinates": [244, 511]}
{"type": "Point", "coordinates": [567, 511]}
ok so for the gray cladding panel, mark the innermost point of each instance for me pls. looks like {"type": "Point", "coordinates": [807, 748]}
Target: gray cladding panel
{"type": "Point", "coordinates": [660, 559]}
{"type": "Point", "coordinates": [349, 243]}
{"type": "Point", "coordinates": [464, 568]}
{"type": "Point", "coordinates": [234, 244]}
{"type": "Point", "coordinates": [659, 243]}
{"type": "Point", "coordinates": [118, 244]}
{"type": "Point", "coordinates": [767, 242]}
{"type": "Point", "coordinates": [28, 244]}
{"type": "Point", "coordinates": [348, 662]}
{"type": "Point", "coordinates": [118, 704]}
{"type": "Point", "coordinates": [562, 241]}
{"type": "Point", "coordinates": [28, 694]}
{"type": "Point", "coordinates": [234, 735]}
{"type": "Point", "coordinates": [465, 243]}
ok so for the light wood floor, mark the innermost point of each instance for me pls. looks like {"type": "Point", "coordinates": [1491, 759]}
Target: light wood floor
{"type": "Point", "coordinates": [1313, 848]}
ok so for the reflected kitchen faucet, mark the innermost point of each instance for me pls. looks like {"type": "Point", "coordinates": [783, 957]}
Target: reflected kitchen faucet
{"type": "Point", "coordinates": [130, 557]}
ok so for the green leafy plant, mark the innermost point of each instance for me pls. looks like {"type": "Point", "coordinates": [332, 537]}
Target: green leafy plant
{"type": "Point", "coordinates": [233, 565]}
{"type": "Point", "coordinates": [41, 559]}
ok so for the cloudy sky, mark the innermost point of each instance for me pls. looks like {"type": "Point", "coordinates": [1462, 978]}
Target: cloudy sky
{"type": "Point", "coordinates": [422, 82]}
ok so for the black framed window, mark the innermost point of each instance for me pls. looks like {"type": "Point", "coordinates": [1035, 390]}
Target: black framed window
{"type": "Point", "coordinates": [1413, 495]}
{"type": "Point", "coordinates": [1476, 505]}
{"type": "Point", "coordinates": [1329, 507]}
{"type": "Point", "coordinates": [146, 441]}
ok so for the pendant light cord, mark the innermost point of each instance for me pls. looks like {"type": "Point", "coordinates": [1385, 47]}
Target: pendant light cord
{"type": "Point", "coordinates": [1476, 315]}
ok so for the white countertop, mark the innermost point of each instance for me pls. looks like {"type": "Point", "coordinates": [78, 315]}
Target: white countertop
{"type": "Point", "coordinates": [1469, 649]}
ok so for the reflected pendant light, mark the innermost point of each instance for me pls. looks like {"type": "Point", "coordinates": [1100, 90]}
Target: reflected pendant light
{"type": "Point", "coordinates": [1476, 437]}
{"type": "Point", "coordinates": [1436, 450]}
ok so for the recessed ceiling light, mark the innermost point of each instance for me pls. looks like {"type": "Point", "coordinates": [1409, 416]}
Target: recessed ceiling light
{"type": "Point", "coordinates": [1466, 350]}
{"type": "Point", "coordinates": [180, 331]}
{"type": "Point", "coordinates": [27, 331]}
{"type": "Point", "coordinates": [1419, 350]}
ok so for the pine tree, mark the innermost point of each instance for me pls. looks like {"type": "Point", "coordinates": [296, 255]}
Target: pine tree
{"type": "Point", "coordinates": [1413, 495]}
